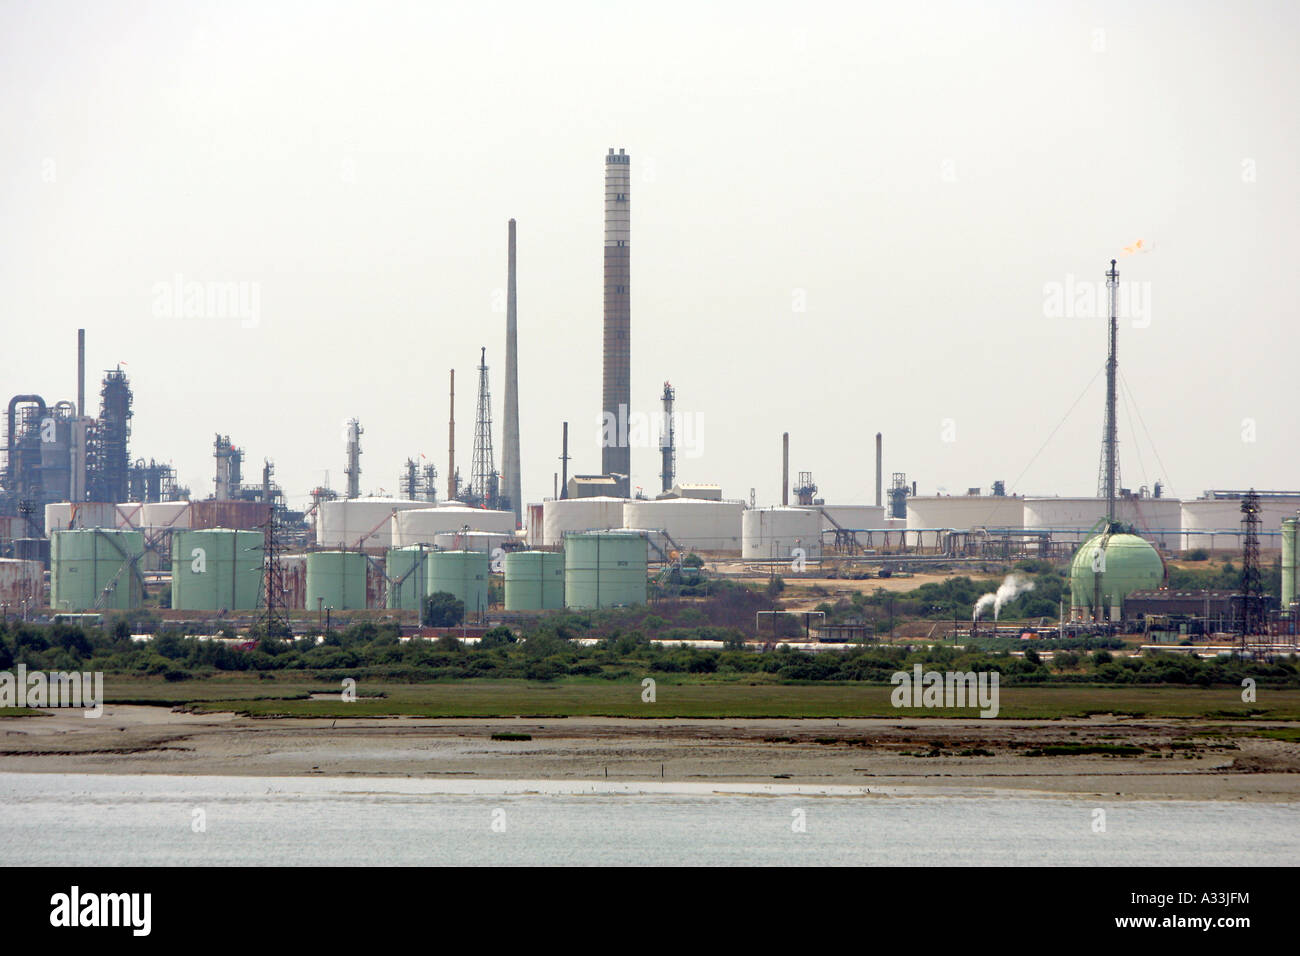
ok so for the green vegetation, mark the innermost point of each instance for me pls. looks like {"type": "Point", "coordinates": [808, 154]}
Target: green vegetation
{"type": "Point", "coordinates": [303, 696]}
{"type": "Point", "coordinates": [1226, 577]}
{"type": "Point", "coordinates": [616, 647]}
{"type": "Point", "coordinates": [442, 610]}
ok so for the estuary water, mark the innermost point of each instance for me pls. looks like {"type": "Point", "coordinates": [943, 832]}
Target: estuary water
{"type": "Point", "coordinates": [90, 819]}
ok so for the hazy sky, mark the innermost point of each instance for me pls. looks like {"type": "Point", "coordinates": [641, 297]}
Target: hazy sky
{"type": "Point", "coordinates": [845, 218]}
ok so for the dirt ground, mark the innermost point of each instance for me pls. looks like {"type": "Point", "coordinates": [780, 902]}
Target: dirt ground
{"type": "Point", "coordinates": [1173, 759]}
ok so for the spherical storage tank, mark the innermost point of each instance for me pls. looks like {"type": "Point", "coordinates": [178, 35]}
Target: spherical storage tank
{"type": "Point", "coordinates": [408, 577]}
{"type": "Point", "coordinates": [534, 580]}
{"type": "Point", "coordinates": [604, 569]}
{"type": "Point", "coordinates": [773, 533]}
{"type": "Point", "coordinates": [693, 523]}
{"type": "Point", "coordinates": [96, 564]}
{"type": "Point", "coordinates": [422, 525]}
{"type": "Point", "coordinates": [1125, 563]}
{"type": "Point", "coordinates": [598, 513]}
{"type": "Point", "coordinates": [336, 579]}
{"type": "Point", "coordinates": [216, 569]}
{"type": "Point", "coordinates": [462, 574]}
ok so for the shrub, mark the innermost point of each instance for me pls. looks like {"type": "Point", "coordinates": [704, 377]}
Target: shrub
{"type": "Point", "coordinates": [442, 610]}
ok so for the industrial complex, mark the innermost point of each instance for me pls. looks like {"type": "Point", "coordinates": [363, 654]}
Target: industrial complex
{"type": "Point", "coordinates": [87, 527]}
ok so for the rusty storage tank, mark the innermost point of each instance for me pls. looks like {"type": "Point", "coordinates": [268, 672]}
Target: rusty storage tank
{"type": "Point", "coordinates": [22, 584]}
{"type": "Point", "coordinates": [240, 515]}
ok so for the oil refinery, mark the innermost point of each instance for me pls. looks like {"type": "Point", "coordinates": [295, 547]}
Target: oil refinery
{"type": "Point", "coordinates": [87, 526]}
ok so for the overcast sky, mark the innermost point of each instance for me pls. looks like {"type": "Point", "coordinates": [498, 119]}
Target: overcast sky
{"type": "Point", "coordinates": [845, 218]}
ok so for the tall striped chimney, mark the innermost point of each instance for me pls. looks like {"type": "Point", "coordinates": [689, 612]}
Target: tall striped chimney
{"type": "Point", "coordinates": [510, 455]}
{"type": "Point", "coordinates": [616, 456]}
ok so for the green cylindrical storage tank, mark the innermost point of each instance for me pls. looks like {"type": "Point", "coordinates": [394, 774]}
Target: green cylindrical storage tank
{"type": "Point", "coordinates": [336, 579]}
{"type": "Point", "coordinates": [1290, 530]}
{"type": "Point", "coordinates": [96, 569]}
{"type": "Point", "coordinates": [408, 577]}
{"type": "Point", "coordinates": [604, 569]}
{"type": "Point", "coordinates": [1126, 563]}
{"type": "Point", "coordinates": [463, 574]}
{"type": "Point", "coordinates": [534, 581]}
{"type": "Point", "coordinates": [216, 569]}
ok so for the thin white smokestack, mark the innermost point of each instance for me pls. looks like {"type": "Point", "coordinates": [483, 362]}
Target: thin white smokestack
{"type": "Point", "coordinates": [1012, 587]}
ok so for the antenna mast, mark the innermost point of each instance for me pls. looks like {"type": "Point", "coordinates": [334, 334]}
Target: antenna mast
{"type": "Point", "coordinates": [1108, 476]}
{"type": "Point", "coordinates": [483, 480]}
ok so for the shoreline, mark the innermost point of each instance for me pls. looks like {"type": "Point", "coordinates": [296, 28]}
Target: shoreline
{"type": "Point", "coordinates": [1173, 758]}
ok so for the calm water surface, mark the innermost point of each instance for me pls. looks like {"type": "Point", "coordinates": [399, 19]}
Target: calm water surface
{"type": "Point", "coordinates": [88, 819]}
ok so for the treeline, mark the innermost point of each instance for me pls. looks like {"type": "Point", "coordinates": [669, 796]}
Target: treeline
{"type": "Point", "coordinates": [548, 653]}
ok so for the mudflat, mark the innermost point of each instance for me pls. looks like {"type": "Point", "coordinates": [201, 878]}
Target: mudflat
{"type": "Point", "coordinates": [1105, 756]}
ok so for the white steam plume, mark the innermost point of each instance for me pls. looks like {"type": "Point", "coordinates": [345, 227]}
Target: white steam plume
{"type": "Point", "coordinates": [1012, 586]}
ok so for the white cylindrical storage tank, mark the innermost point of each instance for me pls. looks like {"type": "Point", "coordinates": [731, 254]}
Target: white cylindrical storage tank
{"type": "Point", "coordinates": [422, 525]}
{"type": "Point", "coordinates": [1159, 520]}
{"type": "Point", "coordinates": [774, 533]}
{"type": "Point", "coordinates": [130, 515]}
{"type": "Point", "coordinates": [360, 522]}
{"type": "Point", "coordinates": [66, 516]}
{"type": "Point", "coordinates": [1215, 523]}
{"type": "Point", "coordinates": [1069, 519]}
{"type": "Point", "coordinates": [852, 517]}
{"type": "Point", "coordinates": [484, 541]}
{"type": "Point", "coordinates": [694, 524]}
{"type": "Point", "coordinates": [161, 515]}
{"type": "Point", "coordinates": [1072, 519]}
{"type": "Point", "coordinates": [600, 513]}
{"type": "Point", "coordinates": [929, 515]}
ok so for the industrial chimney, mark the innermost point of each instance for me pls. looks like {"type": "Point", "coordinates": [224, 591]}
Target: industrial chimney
{"type": "Point", "coordinates": [564, 458]}
{"type": "Point", "coordinates": [616, 456]}
{"type": "Point", "coordinates": [353, 470]}
{"type": "Point", "coordinates": [81, 372]}
{"type": "Point", "coordinates": [510, 454]}
{"type": "Point", "coordinates": [785, 468]}
{"type": "Point", "coordinates": [451, 440]}
{"type": "Point", "coordinates": [879, 473]}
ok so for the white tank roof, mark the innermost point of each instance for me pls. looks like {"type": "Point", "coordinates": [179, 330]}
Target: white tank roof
{"type": "Point", "coordinates": [422, 525]}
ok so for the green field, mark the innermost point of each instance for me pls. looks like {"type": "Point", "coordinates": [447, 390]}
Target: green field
{"type": "Point", "coordinates": [602, 698]}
